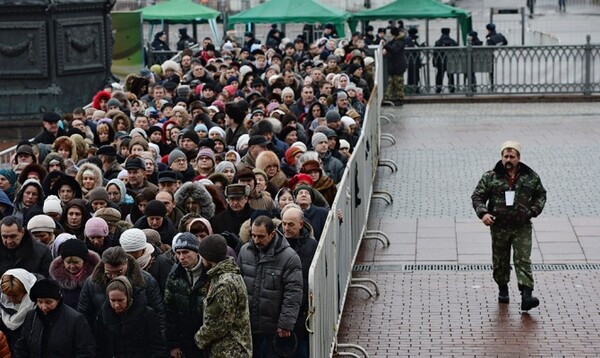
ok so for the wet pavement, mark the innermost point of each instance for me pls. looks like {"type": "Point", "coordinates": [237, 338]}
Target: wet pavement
{"type": "Point", "coordinates": [438, 298]}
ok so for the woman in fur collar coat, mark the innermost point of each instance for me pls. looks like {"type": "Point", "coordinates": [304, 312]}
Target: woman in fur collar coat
{"type": "Point", "coordinates": [74, 265]}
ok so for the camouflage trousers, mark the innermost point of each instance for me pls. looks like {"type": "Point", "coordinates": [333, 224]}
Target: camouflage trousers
{"type": "Point", "coordinates": [395, 88]}
{"type": "Point", "coordinates": [519, 238]}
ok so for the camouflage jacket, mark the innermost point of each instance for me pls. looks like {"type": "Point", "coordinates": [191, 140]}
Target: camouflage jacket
{"type": "Point", "coordinates": [226, 329]}
{"type": "Point", "coordinates": [530, 196]}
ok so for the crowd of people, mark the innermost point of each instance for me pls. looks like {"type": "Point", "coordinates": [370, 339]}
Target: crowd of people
{"type": "Point", "coordinates": [178, 214]}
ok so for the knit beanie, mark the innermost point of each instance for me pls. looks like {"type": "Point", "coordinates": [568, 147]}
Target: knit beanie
{"type": "Point", "coordinates": [242, 141]}
{"type": "Point", "coordinates": [185, 240]}
{"type": "Point", "coordinates": [226, 164]}
{"type": "Point", "coordinates": [206, 153]}
{"type": "Point", "coordinates": [113, 102]}
{"type": "Point", "coordinates": [52, 205]}
{"type": "Point", "coordinates": [201, 128]}
{"type": "Point", "coordinates": [75, 248]}
{"type": "Point", "coordinates": [191, 135]}
{"type": "Point", "coordinates": [98, 194]}
{"type": "Point", "coordinates": [332, 116]}
{"type": "Point", "coordinates": [175, 154]}
{"type": "Point", "coordinates": [300, 145]}
{"type": "Point", "coordinates": [45, 288]}
{"type": "Point", "coordinates": [318, 138]}
{"type": "Point", "coordinates": [218, 130]}
{"type": "Point", "coordinates": [41, 223]}
{"type": "Point", "coordinates": [155, 208]}
{"type": "Point", "coordinates": [213, 248]}
{"type": "Point", "coordinates": [140, 131]}
{"type": "Point", "coordinates": [96, 227]}
{"type": "Point", "coordinates": [287, 90]}
{"type": "Point", "coordinates": [133, 240]}
{"type": "Point", "coordinates": [348, 121]}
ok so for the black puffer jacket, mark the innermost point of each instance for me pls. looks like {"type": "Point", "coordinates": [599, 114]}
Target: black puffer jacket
{"type": "Point", "coordinates": [64, 332]}
{"type": "Point", "coordinates": [274, 284]}
{"type": "Point", "coordinates": [145, 287]}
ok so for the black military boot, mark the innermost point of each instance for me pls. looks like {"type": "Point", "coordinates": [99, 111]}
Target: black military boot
{"type": "Point", "coordinates": [527, 301]}
{"type": "Point", "coordinates": [503, 294]}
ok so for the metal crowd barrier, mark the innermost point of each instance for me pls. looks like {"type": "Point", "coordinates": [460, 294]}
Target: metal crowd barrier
{"type": "Point", "coordinates": [554, 69]}
{"type": "Point", "coordinates": [330, 274]}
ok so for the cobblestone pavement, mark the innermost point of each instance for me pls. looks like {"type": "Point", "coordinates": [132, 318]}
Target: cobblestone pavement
{"type": "Point", "coordinates": [445, 311]}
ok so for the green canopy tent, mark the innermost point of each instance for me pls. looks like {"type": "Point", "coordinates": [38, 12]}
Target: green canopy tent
{"type": "Point", "coordinates": [293, 11]}
{"type": "Point", "coordinates": [415, 9]}
{"type": "Point", "coordinates": [181, 12]}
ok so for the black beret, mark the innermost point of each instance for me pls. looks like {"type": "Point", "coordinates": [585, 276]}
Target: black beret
{"type": "Point", "coordinates": [51, 117]}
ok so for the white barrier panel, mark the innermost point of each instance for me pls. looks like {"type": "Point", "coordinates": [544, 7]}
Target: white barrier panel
{"type": "Point", "coordinates": [331, 269]}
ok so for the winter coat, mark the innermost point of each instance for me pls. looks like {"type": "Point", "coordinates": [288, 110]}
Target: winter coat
{"type": "Point", "coordinates": [231, 221]}
{"type": "Point", "coordinates": [529, 201]}
{"type": "Point", "coordinates": [226, 331]}
{"type": "Point", "coordinates": [198, 192]}
{"type": "Point", "coordinates": [45, 137]}
{"type": "Point", "coordinates": [274, 285]}
{"type": "Point", "coordinates": [395, 55]}
{"type": "Point", "coordinates": [160, 268]}
{"type": "Point", "coordinates": [439, 56]}
{"type": "Point", "coordinates": [184, 308]}
{"type": "Point", "coordinates": [333, 167]}
{"type": "Point", "coordinates": [327, 188]}
{"type": "Point", "coordinates": [167, 230]}
{"type": "Point", "coordinates": [71, 285]}
{"type": "Point", "coordinates": [145, 287]}
{"type": "Point", "coordinates": [317, 217]}
{"type": "Point", "coordinates": [63, 332]}
{"type": "Point", "coordinates": [135, 334]}
{"type": "Point", "coordinates": [31, 255]}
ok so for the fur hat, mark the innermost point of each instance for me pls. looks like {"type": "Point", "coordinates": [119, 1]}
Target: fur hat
{"type": "Point", "coordinates": [75, 248]}
{"type": "Point", "coordinates": [45, 288]}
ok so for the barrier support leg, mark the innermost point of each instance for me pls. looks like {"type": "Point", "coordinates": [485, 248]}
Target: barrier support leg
{"type": "Point", "coordinates": [367, 280]}
{"type": "Point", "coordinates": [386, 196]}
{"type": "Point", "coordinates": [388, 163]}
{"type": "Point", "coordinates": [387, 136]}
{"type": "Point", "coordinates": [362, 287]}
{"type": "Point", "coordinates": [377, 235]}
{"type": "Point", "coordinates": [353, 346]}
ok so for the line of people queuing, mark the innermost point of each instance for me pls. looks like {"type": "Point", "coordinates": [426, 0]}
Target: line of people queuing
{"type": "Point", "coordinates": [178, 216]}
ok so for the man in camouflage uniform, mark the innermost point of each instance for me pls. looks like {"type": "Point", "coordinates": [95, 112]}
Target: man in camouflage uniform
{"type": "Point", "coordinates": [394, 50]}
{"type": "Point", "coordinates": [514, 194]}
{"type": "Point", "coordinates": [226, 328]}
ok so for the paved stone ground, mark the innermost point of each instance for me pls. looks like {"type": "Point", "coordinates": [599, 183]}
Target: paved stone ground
{"type": "Point", "coordinates": [441, 152]}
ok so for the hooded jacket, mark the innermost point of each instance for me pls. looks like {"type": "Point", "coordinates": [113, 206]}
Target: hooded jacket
{"type": "Point", "coordinates": [13, 314]}
{"type": "Point", "coordinates": [198, 192]}
{"type": "Point", "coordinates": [274, 285]}
{"type": "Point", "coordinates": [97, 177]}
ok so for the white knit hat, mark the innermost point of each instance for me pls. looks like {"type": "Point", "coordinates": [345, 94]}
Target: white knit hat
{"type": "Point", "coordinates": [348, 121]}
{"type": "Point", "coordinates": [244, 70]}
{"type": "Point", "coordinates": [52, 205]}
{"type": "Point", "coordinates": [287, 90]}
{"type": "Point", "coordinates": [133, 240]}
{"type": "Point", "coordinates": [41, 223]}
{"type": "Point", "coordinates": [300, 145]}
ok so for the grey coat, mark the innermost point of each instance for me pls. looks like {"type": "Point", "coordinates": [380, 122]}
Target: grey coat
{"type": "Point", "coordinates": [274, 284]}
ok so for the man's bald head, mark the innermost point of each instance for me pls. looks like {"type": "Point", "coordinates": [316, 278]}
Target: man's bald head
{"type": "Point", "coordinates": [292, 222]}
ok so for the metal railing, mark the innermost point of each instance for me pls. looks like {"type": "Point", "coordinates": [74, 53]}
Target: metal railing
{"type": "Point", "coordinates": [330, 274]}
{"type": "Point", "coordinates": [557, 69]}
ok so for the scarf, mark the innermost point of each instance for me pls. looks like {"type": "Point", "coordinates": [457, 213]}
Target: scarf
{"type": "Point", "coordinates": [146, 257]}
{"type": "Point", "coordinates": [13, 314]}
